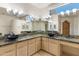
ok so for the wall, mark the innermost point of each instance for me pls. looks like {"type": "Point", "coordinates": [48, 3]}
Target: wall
{"type": "Point", "coordinates": [38, 25]}
{"type": "Point", "coordinates": [53, 22]}
{"type": "Point", "coordinates": [5, 24]}
{"type": "Point", "coordinates": [50, 26]}
{"type": "Point", "coordinates": [17, 26]}
{"type": "Point", "coordinates": [74, 24]}
{"type": "Point", "coordinates": [21, 25]}
{"type": "Point", "coordinates": [9, 24]}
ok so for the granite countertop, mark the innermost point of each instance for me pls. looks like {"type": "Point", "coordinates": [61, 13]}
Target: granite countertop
{"type": "Point", "coordinates": [73, 40]}
{"type": "Point", "coordinates": [2, 42]}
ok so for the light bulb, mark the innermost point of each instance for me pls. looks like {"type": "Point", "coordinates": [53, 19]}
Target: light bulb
{"type": "Point", "coordinates": [15, 11]}
{"type": "Point", "coordinates": [21, 12]}
{"type": "Point", "coordinates": [9, 9]}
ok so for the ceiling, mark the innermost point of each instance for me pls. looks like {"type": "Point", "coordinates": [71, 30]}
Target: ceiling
{"type": "Point", "coordinates": [40, 5]}
{"type": "Point", "coordinates": [34, 9]}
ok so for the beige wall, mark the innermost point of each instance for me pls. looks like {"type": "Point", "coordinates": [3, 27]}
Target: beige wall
{"type": "Point", "coordinates": [21, 25]}
{"type": "Point", "coordinates": [53, 21]}
{"type": "Point", "coordinates": [5, 24]}
{"type": "Point", "coordinates": [37, 25]}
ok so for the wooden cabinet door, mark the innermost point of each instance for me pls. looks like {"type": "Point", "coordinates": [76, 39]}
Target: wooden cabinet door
{"type": "Point", "coordinates": [10, 53]}
{"type": "Point", "coordinates": [54, 47]}
{"type": "Point", "coordinates": [38, 44]}
{"type": "Point", "coordinates": [31, 49]}
{"type": "Point", "coordinates": [69, 49]}
{"type": "Point", "coordinates": [31, 46]}
{"type": "Point", "coordinates": [45, 45]}
{"type": "Point", "coordinates": [8, 50]}
{"type": "Point", "coordinates": [21, 51]}
{"type": "Point", "coordinates": [22, 48]}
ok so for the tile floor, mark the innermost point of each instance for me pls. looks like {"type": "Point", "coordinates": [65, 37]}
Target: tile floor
{"type": "Point", "coordinates": [42, 53]}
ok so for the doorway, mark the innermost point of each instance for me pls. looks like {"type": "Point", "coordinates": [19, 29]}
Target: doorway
{"type": "Point", "coordinates": [66, 28]}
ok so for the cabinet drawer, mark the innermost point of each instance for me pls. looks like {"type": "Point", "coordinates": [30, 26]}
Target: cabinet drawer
{"type": "Point", "coordinates": [38, 39]}
{"type": "Point", "coordinates": [69, 44]}
{"type": "Point", "coordinates": [7, 48]}
{"type": "Point", "coordinates": [68, 50]}
{"type": "Point", "coordinates": [44, 39]}
{"type": "Point", "coordinates": [21, 44]}
{"type": "Point", "coordinates": [31, 41]}
{"type": "Point", "coordinates": [53, 41]}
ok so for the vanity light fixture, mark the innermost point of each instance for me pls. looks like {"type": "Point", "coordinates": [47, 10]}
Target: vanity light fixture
{"type": "Point", "coordinates": [9, 10]}
{"type": "Point", "coordinates": [15, 11]}
{"type": "Point", "coordinates": [20, 12]}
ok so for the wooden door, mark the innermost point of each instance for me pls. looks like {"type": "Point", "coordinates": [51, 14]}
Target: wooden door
{"type": "Point", "coordinates": [66, 28]}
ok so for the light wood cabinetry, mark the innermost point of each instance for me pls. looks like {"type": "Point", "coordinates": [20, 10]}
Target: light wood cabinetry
{"type": "Point", "coordinates": [69, 49]}
{"type": "Point", "coordinates": [50, 45]}
{"type": "Point", "coordinates": [45, 44]}
{"type": "Point", "coordinates": [31, 46]}
{"type": "Point", "coordinates": [38, 44]}
{"type": "Point", "coordinates": [10, 53]}
{"type": "Point", "coordinates": [34, 45]}
{"type": "Point", "coordinates": [54, 47]}
{"type": "Point", "coordinates": [22, 48]}
{"type": "Point", "coordinates": [8, 50]}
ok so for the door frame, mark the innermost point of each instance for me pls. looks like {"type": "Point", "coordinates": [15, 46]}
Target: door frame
{"type": "Point", "coordinates": [68, 27]}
